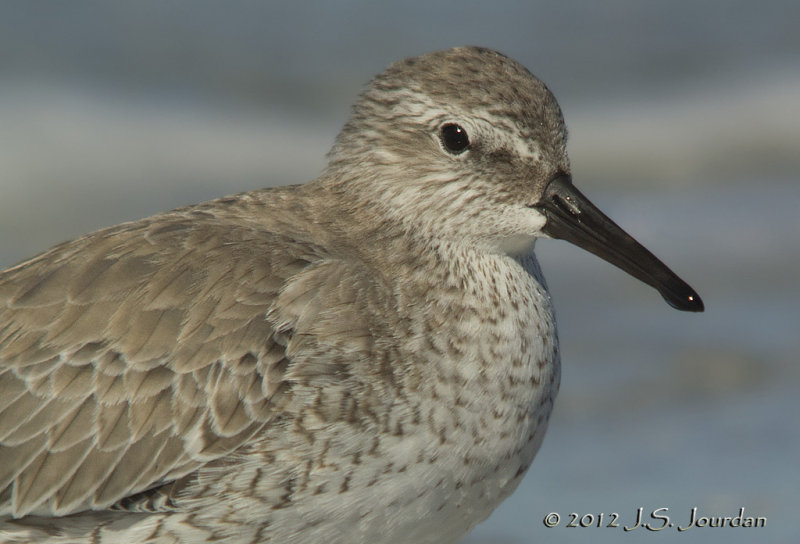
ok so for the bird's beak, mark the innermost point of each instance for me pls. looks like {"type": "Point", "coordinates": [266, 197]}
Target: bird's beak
{"type": "Point", "coordinates": [572, 217]}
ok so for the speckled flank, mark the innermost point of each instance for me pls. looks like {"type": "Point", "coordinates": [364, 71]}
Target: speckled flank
{"type": "Point", "coordinates": [367, 358]}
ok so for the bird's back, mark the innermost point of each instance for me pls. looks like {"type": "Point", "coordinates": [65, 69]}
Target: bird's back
{"type": "Point", "coordinates": [132, 356]}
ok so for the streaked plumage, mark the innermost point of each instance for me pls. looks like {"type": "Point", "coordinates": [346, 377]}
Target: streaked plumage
{"type": "Point", "coordinates": [370, 357]}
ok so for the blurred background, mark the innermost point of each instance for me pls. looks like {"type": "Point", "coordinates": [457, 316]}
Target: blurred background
{"type": "Point", "coordinates": [685, 128]}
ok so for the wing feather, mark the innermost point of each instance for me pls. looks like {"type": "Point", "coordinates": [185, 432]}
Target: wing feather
{"type": "Point", "coordinates": [112, 427]}
{"type": "Point", "coordinates": [73, 494]}
{"type": "Point", "coordinates": [76, 427]}
{"type": "Point", "coordinates": [47, 473]}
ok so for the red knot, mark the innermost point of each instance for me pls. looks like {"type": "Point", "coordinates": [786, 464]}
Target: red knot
{"type": "Point", "coordinates": [367, 358]}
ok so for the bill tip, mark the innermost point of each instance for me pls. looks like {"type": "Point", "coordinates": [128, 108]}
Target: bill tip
{"type": "Point", "coordinates": [687, 303]}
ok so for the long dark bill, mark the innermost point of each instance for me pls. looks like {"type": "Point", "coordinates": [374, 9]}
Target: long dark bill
{"type": "Point", "coordinates": [572, 217]}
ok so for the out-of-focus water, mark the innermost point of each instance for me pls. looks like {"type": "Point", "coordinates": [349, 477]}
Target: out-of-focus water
{"type": "Point", "coordinates": [684, 129]}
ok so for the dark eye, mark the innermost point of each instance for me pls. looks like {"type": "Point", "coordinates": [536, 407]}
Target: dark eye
{"type": "Point", "coordinates": [454, 138]}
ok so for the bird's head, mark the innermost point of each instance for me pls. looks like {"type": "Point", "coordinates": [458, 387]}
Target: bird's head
{"type": "Point", "coordinates": [467, 145]}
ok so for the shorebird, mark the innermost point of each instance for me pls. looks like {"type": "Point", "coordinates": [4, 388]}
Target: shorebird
{"type": "Point", "coordinates": [367, 358]}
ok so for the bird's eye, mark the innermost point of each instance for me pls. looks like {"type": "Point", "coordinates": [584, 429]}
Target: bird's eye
{"type": "Point", "coordinates": [454, 138]}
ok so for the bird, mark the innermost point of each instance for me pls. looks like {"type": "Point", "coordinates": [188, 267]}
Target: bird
{"type": "Point", "coordinates": [370, 357]}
